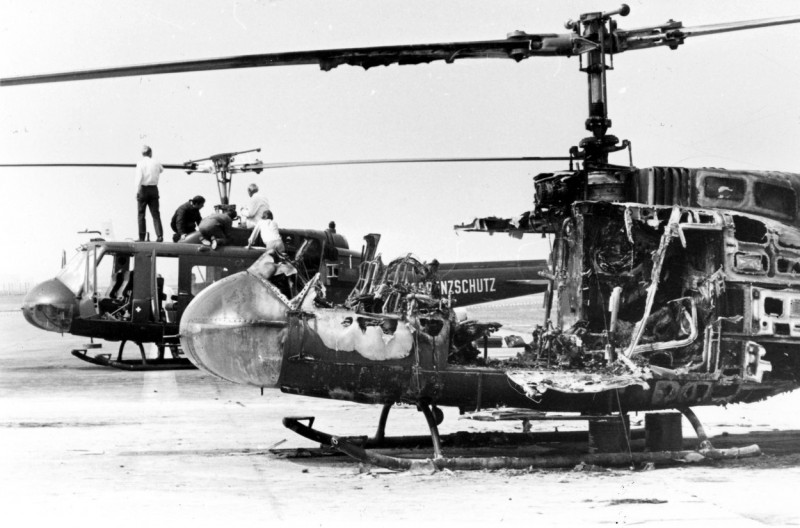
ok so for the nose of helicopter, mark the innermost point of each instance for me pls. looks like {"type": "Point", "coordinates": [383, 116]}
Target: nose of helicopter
{"type": "Point", "coordinates": [50, 306]}
{"type": "Point", "coordinates": [235, 329]}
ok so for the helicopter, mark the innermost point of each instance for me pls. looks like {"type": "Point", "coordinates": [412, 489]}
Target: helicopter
{"type": "Point", "coordinates": [118, 290]}
{"type": "Point", "coordinates": [669, 287]}
{"type": "Point", "coordinates": [97, 294]}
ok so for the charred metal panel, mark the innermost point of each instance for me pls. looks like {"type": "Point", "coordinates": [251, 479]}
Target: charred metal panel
{"type": "Point", "coordinates": [570, 298]}
{"type": "Point", "coordinates": [769, 194]}
{"type": "Point", "coordinates": [670, 266]}
{"type": "Point", "coordinates": [776, 312]}
{"type": "Point", "coordinates": [663, 186]}
{"type": "Point", "coordinates": [374, 338]}
{"type": "Point", "coordinates": [386, 346]}
{"type": "Point", "coordinates": [322, 371]}
{"type": "Point", "coordinates": [354, 381]}
{"type": "Point", "coordinates": [474, 388]}
{"type": "Point", "coordinates": [762, 250]}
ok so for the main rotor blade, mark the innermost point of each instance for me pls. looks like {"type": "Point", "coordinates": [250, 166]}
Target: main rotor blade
{"type": "Point", "coordinates": [672, 34]}
{"type": "Point", "coordinates": [517, 46]}
{"type": "Point", "coordinates": [290, 164]}
{"type": "Point", "coordinates": [258, 166]}
{"type": "Point", "coordinates": [90, 165]}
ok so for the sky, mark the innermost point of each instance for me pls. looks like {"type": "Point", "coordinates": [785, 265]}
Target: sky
{"type": "Point", "coordinates": [727, 100]}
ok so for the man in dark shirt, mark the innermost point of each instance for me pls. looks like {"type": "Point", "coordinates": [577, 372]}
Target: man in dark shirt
{"type": "Point", "coordinates": [187, 218]}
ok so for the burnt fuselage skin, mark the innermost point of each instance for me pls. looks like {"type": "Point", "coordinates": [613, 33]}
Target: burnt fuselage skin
{"type": "Point", "coordinates": [244, 330]}
{"type": "Point", "coordinates": [705, 305]}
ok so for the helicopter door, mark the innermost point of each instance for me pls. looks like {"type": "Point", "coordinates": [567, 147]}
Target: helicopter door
{"type": "Point", "coordinates": [141, 307]}
{"type": "Point", "coordinates": [114, 285]}
{"type": "Point", "coordinates": [166, 285]}
{"type": "Point", "coordinates": [86, 300]}
{"type": "Point", "coordinates": [99, 279]}
{"type": "Point", "coordinates": [151, 289]}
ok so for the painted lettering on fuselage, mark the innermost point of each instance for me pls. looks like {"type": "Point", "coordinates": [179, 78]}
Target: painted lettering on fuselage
{"type": "Point", "coordinates": [464, 286]}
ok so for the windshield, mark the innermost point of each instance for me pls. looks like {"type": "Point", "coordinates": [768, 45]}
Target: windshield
{"type": "Point", "coordinates": [72, 274]}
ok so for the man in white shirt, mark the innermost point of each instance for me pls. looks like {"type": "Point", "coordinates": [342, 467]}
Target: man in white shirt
{"type": "Point", "coordinates": [148, 171]}
{"type": "Point", "coordinates": [255, 208]}
{"type": "Point", "coordinates": [270, 234]}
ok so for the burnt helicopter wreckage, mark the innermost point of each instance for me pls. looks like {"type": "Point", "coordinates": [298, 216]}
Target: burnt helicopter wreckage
{"type": "Point", "coordinates": [690, 280]}
{"type": "Point", "coordinates": [668, 287]}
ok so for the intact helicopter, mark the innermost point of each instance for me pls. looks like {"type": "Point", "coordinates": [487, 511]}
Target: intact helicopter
{"type": "Point", "coordinates": [97, 294]}
{"type": "Point", "coordinates": [668, 287]}
{"type": "Point", "coordinates": [117, 290]}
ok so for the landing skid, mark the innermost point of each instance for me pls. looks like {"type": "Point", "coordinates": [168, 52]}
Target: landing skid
{"type": "Point", "coordinates": [362, 448]}
{"type": "Point", "coordinates": [143, 364]}
{"type": "Point", "coordinates": [459, 440]}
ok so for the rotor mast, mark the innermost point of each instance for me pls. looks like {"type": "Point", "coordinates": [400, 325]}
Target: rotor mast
{"type": "Point", "coordinates": [221, 165]}
{"type": "Point", "coordinates": [599, 28]}
{"type": "Point", "coordinates": [223, 169]}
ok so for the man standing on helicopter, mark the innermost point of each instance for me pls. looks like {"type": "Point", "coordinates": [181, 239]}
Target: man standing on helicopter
{"type": "Point", "coordinates": [255, 208]}
{"type": "Point", "coordinates": [148, 171]}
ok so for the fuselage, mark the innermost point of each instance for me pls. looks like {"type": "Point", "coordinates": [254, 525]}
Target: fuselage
{"type": "Point", "coordinates": [651, 306]}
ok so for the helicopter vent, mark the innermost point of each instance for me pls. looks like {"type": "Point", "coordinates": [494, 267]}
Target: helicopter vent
{"type": "Point", "coordinates": [664, 186]}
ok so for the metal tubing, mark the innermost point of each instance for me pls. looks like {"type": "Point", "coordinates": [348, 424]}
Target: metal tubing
{"type": "Point", "coordinates": [698, 427]}
{"type": "Point", "coordinates": [380, 434]}
{"type": "Point", "coordinates": [542, 462]}
{"type": "Point", "coordinates": [437, 441]}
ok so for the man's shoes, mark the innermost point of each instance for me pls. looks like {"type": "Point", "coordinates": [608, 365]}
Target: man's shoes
{"type": "Point", "coordinates": [160, 239]}
{"type": "Point", "coordinates": [205, 242]}
{"type": "Point", "coordinates": [213, 243]}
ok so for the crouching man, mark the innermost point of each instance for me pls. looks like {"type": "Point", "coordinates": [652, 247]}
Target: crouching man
{"type": "Point", "coordinates": [214, 230]}
{"type": "Point", "coordinates": [187, 218]}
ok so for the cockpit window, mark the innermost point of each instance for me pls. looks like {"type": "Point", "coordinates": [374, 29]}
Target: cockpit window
{"type": "Point", "coordinates": [204, 276]}
{"type": "Point", "coordinates": [717, 188]}
{"type": "Point", "coordinates": [778, 199]}
{"type": "Point", "coordinates": [72, 275]}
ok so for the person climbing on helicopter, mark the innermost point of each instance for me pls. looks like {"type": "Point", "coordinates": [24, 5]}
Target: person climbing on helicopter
{"type": "Point", "coordinates": [270, 236]}
{"type": "Point", "coordinates": [214, 230]}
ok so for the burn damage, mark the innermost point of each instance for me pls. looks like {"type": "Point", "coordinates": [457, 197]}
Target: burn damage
{"type": "Point", "coordinates": [693, 306]}
{"type": "Point", "coordinates": [649, 306]}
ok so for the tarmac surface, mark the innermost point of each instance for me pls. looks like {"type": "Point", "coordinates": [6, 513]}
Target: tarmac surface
{"type": "Point", "coordinates": [81, 445]}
